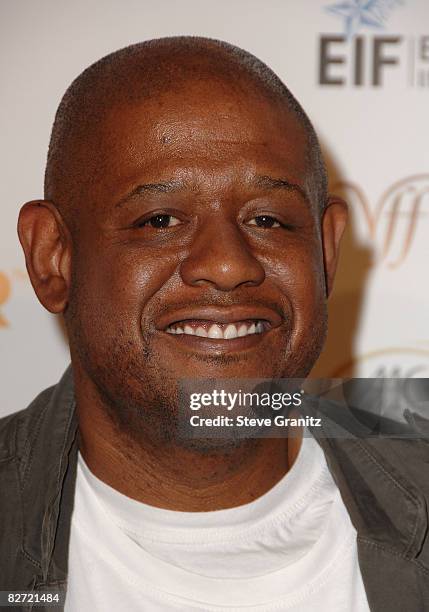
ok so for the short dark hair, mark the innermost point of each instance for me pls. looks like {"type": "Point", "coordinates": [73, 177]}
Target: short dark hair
{"type": "Point", "coordinates": [164, 61]}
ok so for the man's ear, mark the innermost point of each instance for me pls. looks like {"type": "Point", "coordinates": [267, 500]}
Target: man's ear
{"type": "Point", "coordinates": [47, 247]}
{"type": "Point", "coordinates": [333, 225]}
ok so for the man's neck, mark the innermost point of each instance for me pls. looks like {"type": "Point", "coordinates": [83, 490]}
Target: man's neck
{"type": "Point", "coordinates": [169, 476]}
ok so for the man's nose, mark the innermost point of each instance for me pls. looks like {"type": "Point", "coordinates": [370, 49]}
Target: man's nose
{"type": "Point", "coordinates": [221, 257]}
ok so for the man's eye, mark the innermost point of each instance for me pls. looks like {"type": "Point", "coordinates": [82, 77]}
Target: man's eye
{"type": "Point", "coordinates": [265, 221]}
{"type": "Point", "coordinates": [160, 221]}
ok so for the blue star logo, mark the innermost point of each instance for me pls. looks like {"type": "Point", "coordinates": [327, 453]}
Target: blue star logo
{"type": "Point", "coordinates": [362, 13]}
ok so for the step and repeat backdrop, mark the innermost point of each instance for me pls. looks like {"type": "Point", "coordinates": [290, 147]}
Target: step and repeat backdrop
{"type": "Point", "coordinates": [361, 71]}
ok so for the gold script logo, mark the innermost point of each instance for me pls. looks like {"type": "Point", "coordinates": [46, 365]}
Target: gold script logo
{"type": "Point", "coordinates": [6, 290]}
{"type": "Point", "coordinates": [393, 222]}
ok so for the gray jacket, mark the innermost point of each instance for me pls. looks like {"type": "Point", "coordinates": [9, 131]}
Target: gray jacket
{"type": "Point", "coordinates": [384, 484]}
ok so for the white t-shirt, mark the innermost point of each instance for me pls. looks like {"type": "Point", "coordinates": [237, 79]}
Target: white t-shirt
{"type": "Point", "coordinates": [294, 548]}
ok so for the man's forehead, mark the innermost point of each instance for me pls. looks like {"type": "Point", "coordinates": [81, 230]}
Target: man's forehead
{"type": "Point", "coordinates": [195, 145]}
{"type": "Point", "coordinates": [203, 111]}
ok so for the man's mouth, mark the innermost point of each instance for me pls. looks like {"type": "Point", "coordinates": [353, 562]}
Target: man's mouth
{"type": "Point", "coordinates": [211, 327]}
{"type": "Point", "coordinates": [217, 330]}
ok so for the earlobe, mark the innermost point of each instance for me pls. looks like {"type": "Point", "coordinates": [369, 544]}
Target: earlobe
{"type": "Point", "coordinates": [46, 244]}
{"type": "Point", "coordinates": [333, 225]}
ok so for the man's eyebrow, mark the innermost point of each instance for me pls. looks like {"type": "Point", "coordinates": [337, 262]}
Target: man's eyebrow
{"type": "Point", "coordinates": [163, 187]}
{"type": "Point", "coordinates": [268, 182]}
{"type": "Point", "coordinates": [260, 181]}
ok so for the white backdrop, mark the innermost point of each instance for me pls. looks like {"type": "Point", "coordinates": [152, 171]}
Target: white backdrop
{"type": "Point", "coordinates": [363, 77]}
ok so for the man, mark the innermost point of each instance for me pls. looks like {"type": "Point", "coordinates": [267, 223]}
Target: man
{"type": "Point", "coordinates": [186, 232]}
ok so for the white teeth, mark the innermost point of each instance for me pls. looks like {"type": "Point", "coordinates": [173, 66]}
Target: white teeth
{"type": "Point", "coordinates": [230, 332]}
{"type": "Point", "coordinates": [215, 332]}
{"type": "Point", "coordinates": [242, 330]}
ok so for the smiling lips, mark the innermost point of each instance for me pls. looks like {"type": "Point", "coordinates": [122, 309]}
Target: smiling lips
{"type": "Point", "coordinates": [217, 330]}
{"type": "Point", "coordinates": [239, 323]}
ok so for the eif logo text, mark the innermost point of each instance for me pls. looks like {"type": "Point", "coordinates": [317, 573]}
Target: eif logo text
{"type": "Point", "coordinates": [372, 61]}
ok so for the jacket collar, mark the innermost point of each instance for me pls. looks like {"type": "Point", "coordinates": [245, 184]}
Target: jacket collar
{"type": "Point", "coordinates": [386, 508]}
{"type": "Point", "coordinates": [49, 453]}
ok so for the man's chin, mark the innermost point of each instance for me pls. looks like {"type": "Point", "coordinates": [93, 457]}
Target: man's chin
{"type": "Point", "coordinates": [228, 366]}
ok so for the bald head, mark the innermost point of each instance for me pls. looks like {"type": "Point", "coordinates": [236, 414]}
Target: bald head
{"type": "Point", "coordinates": [144, 71]}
